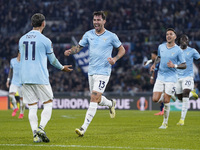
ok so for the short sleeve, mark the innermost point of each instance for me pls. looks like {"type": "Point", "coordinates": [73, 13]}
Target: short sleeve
{"type": "Point", "coordinates": [158, 51]}
{"type": "Point", "coordinates": [196, 54]}
{"type": "Point", "coordinates": [84, 40]}
{"type": "Point", "coordinates": [181, 57]}
{"type": "Point", "coordinates": [49, 46]}
{"type": "Point", "coordinates": [20, 46]}
{"type": "Point", "coordinates": [116, 42]}
{"type": "Point", "coordinates": [11, 65]}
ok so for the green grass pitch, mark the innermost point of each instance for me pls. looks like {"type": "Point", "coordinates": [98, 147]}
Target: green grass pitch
{"type": "Point", "coordinates": [130, 129]}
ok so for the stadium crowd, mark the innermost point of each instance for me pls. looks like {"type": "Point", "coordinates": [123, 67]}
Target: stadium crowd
{"type": "Point", "coordinates": [142, 23]}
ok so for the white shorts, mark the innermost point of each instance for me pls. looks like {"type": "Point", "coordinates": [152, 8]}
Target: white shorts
{"type": "Point", "coordinates": [98, 82]}
{"type": "Point", "coordinates": [14, 89]}
{"type": "Point", "coordinates": [167, 87]}
{"type": "Point", "coordinates": [184, 83]}
{"type": "Point", "coordinates": [32, 93]}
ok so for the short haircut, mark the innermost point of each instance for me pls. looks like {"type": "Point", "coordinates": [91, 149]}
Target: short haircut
{"type": "Point", "coordinates": [100, 13]}
{"type": "Point", "coordinates": [155, 52]}
{"type": "Point", "coordinates": [171, 29]}
{"type": "Point", "coordinates": [37, 19]}
{"type": "Point", "coordinates": [182, 36]}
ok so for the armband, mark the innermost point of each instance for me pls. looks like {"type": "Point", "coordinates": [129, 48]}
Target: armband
{"type": "Point", "coordinates": [175, 65]}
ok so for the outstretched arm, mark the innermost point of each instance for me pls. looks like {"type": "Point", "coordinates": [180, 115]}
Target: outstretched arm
{"type": "Point", "coordinates": [73, 50]}
{"type": "Point", "coordinates": [121, 52]}
{"type": "Point", "coordinates": [54, 61]}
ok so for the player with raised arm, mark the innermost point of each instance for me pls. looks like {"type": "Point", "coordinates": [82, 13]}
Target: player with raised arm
{"type": "Point", "coordinates": [35, 49]}
{"type": "Point", "coordinates": [185, 83]}
{"type": "Point", "coordinates": [169, 55]}
{"type": "Point", "coordinates": [15, 86]}
{"type": "Point", "coordinates": [100, 43]}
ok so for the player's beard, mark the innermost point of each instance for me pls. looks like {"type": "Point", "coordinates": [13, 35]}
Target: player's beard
{"type": "Point", "coordinates": [183, 46]}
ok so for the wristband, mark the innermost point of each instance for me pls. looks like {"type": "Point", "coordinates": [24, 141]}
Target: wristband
{"type": "Point", "coordinates": [175, 65]}
{"type": "Point", "coordinates": [62, 67]}
{"type": "Point", "coordinates": [151, 77]}
{"type": "Point", "coordinates": [8, 79]}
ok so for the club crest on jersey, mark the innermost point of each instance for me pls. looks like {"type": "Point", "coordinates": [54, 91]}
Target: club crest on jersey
{"type": "Point", "coordinates": [173, 54]}
{"type": "Point", "coordinates": [104, 39]}
{"type": "Point", "coordinates": [188, 53]}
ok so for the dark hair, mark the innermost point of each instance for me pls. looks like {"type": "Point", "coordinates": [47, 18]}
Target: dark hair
{"type": "Point", "coordinates": [37, 19]}
{"type": "Point", "coordinates": [182, 36]}
{"type": "Point", "coordinates": [155, 52]}
{"type": "Point", "coordinates": [171, 29]}
{"type": "Point", "coordinates": [100, 13]}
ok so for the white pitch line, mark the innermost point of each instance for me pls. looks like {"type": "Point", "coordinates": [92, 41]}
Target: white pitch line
{"type": "Point", "coordinates": [82, 146]}
{"type": "Point", "coordinates": [102, 147]}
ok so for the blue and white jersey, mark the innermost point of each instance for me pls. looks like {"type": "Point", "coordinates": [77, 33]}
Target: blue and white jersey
{"type": "Point", "coordinates": [190, 54]}
{"type": "Point", "coordinates": [175, 54]}
{"type": "Point", "coordinates": [100, 48]}
{"type": "Point", "coordinates": [34, 47]}
{"type": "Point", "coordinates": [15, 65]}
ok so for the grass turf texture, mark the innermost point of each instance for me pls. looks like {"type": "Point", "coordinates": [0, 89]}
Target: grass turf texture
{"type": "Point", "coordinates": [130, 129]}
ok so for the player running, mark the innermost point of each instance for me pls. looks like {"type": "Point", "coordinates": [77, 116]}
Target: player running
{"type": "Point", "coordinates": [15, 86]}
{"type": "Point", "coordinates": [100, 42]}
{"type": "Point", "coordinates": [185, 83]}
{"type": "Point", "coordinates": [169, 55]}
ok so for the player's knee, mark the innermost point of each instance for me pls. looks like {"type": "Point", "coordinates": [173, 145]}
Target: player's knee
{"type": "Point", "coordinates": [95, 98]}
{"type": "Point", "coordinates": [186, 92]}
{"type": "Point", "coordinates": [155, 99]}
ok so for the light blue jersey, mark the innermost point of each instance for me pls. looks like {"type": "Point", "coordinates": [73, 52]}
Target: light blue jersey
{"type": "Point", "coordinates": [34, 48]}
{"type": "Point", "coordinates": [175, 54]}
{"type": "Point", "coordinates": [15, 65]}
{"type": "Point", "coordinates": [100, 48]}
{"type": "Point", "coordinates": [190, 54]}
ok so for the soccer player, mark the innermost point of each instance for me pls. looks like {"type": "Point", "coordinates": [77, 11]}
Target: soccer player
{"type": "Point", "coordinates": [169, 55]}
{"type": "Point", "coordinates": [35, 49]}
{"type": "Point", "coordinates": [100, 42]}
{"type": "Point", "coordinates": [153, 78]}
{"type": "Point", "coordinates": [185, 83]}
{"type": "Point", "coordinates": [15, 85]}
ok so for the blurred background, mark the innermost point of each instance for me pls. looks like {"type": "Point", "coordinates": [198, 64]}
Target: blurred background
{"type": "Point", "coordinates": [139, 24]}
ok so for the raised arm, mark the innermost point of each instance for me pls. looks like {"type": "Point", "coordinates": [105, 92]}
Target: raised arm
{"type": "Point", "coordinates": [121, 52]}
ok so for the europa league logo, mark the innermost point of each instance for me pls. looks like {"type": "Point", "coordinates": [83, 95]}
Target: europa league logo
{"type": "Point", "coordinates": [142, 104]}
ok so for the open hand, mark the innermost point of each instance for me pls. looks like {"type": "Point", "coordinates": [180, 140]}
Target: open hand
{"type": "Point", "coordinates": [67, 69]}
{"type": "Point", "coordinates": [67, 52]}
